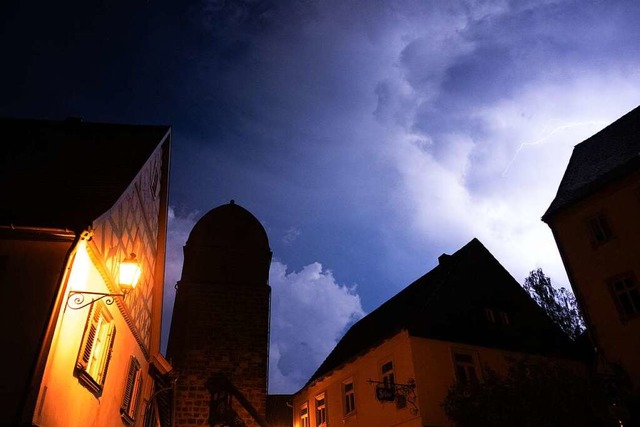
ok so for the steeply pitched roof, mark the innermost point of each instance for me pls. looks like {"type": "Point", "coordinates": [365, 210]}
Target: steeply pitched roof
{"type": "Point", "coordinates": [448, 304]}
{"type": "Point", "coordinates": [65, 174]}
{"type": "Point", "coordinates": [609, 154]}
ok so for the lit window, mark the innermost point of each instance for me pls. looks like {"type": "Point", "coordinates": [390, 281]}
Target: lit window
{"type": "Point", "coordinates": [388, 378]}
{"type": "Point", "coordinates": [132, 390]}
{"type": "Point", "coordinates": [321, 411]}
{"type": "Point", "coordinates": [599, 229]}
{"type": "Point", "coordinates": [627, 295]}
{"type": "Point", "coordinates": [95, 351]}
{"type": "Point", "coordinates": [465, 368]}
{"type": "Point", "coordinates": [349, 397]}
{"type": "Point", "coordinates": [304, 415]}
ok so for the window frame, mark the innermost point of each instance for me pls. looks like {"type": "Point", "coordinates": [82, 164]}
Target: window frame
{"type": "Point", "coordinates": [132, 391]}
{"type": "Point", "coordinates": [489, 315]}
{"type": "Point", "coordinates": [623, 303]}
{"type": "Point", "coordinates": [598, 225]}
{"type": "Point", "coordinates": [348, 397]}
{"type": "Point", "coordinates": [463, 368]}
{"type": "Point", "coordinates": [321, 409]}
{"type": "Point", "coordinates": [96, 348]}
{"type": "Point", "coordinates": [505, 319]}
{"type": "Point", "coordinates": [304, 415]}
{"type": "Point", "coordinates": [387, 373]}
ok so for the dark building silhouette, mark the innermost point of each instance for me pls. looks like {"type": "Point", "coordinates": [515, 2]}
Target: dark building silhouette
{"type": "Point", "coordinates": [394, 366]}
{"type": "Point", "coordinates": [595, 220]}
{"type": "Point", "coordinates": [219, 335]}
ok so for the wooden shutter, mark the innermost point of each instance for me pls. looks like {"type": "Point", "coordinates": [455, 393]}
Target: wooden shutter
{"type": "Point", "coordinates": [132, 390]}
{"type": "Point", "coordinates": [129, 386]}
{"type": "Point", "coordinates": [89, 338]}
{"type": "Point", "coordinates": [103, 372]}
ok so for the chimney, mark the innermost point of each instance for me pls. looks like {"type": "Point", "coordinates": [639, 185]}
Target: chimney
{"type": "Point", "coordinates": [443, 258]}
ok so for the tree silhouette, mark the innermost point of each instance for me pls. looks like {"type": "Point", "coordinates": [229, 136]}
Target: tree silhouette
{"type": "Point", "coordinates": [559, 303]}
{"type": "Point", "coordinates": [531, 393]}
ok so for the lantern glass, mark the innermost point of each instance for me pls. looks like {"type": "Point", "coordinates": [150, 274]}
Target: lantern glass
{"type": "Point", "coordinates": [129, 273]}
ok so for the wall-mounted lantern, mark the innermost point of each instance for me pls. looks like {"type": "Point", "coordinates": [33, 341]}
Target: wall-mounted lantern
{"type": "Point", "coordinates": [128, 275]}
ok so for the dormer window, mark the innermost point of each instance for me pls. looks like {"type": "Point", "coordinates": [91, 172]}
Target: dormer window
{"type": "Point", "coordinates": [490, 315]}
{"type": "Point", "coordinates": [504, 318]}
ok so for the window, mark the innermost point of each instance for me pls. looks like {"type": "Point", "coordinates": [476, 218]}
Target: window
{"type": "Point", "coordinates": [321, 410]}
{"type": "Point", "coordinates": [627, 296]}
{"type": "Point", "coordinates": [304, 415]}
{"type": "Point", "coordinates": [95, 351]}
{"type": "Point", "coordinates": [599, 229]}
{"type": "Point", "coordinates": [504, 318]}
{"type": "Point", "coordinates": [465, 368]}
{"type": "Point", "coordinates": [488, 313]}
{"type": "Point", "coordinates": [132, 390]}
{"type": "Point", "coordinates": [348, 397]}
{"type": "Point", "coordinates": [388, 378]}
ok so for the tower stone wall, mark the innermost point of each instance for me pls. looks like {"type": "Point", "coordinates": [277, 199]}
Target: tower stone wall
{"type": "Point", "coordinates": [220, 323]}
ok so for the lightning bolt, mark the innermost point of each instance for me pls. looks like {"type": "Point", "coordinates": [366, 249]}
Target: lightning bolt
{"type": "Point", "coordinates": [548, 132]}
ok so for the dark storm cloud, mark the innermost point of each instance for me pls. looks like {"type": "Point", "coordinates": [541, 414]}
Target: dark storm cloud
{"type": "Point", "coordinates": [383, 133]}
{"type": "Point", "coordinates": [367, 136]}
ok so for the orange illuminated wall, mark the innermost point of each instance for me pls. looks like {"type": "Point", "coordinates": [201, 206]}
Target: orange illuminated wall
{"type": "Point", "coordinates": [136, 223]}
{"type": "Point", "coordinates": [595, 261]}
{"type": "Point", "coordinates": [428, 363]}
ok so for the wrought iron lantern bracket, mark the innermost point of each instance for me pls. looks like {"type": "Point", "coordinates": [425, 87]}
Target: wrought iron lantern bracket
{"type": "Point", "coordinates": [77, 299]}
{"type": "Point", "coordinates": [386, 392]}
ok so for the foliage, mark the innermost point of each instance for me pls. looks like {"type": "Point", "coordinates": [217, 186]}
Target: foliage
{"type": "Point", "coordinates": [531, 393]}
{"type": "Point", "coordinates": [559, 303]}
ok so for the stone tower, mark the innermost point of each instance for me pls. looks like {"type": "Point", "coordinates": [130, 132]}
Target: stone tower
{"type": "Point", "coordinates": [219, 335]}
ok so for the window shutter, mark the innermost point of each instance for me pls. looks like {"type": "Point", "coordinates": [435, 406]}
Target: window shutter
{"type": "Point", "coordinates": [128, 391]}
{"type": "Point", "coordinates": [136, 396]}
{"type": "Point", "coordinates": [89, 339]}
{"type": "Point", "coordinates": [103, 371]}
{"type": "Point", "coordinates": [132, 391]}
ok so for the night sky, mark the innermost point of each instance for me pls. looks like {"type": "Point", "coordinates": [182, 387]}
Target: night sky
{"type": "Point", "coordinates": [368, 137]}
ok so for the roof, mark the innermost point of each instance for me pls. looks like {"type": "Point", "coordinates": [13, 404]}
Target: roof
{"type": "Point", "coordinates": [448, 304]}
{"type": "Point", "coordinates": [65, 174]}
{"type": "Point", "coordinates": [229, 225]}
{"type": "Point", "coordinates": [604, 157]}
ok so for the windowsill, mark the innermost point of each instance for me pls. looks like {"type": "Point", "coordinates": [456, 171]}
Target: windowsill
{"type": "Point", "coordinates": [87, 380]}
{"type": "Point", "coordinates": [595, 244]}
{"type": "Point", "coordinates": [126, 418]}
{"type": "Point", "coordinates": [350, 418]}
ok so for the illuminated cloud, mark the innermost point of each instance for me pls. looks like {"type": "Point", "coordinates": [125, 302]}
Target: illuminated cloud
{"type": "Point", "coordinates": [309, 313]}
